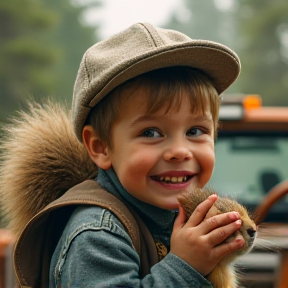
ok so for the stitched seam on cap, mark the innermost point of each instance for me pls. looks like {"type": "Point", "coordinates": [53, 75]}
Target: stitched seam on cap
{"type": "Point", "coordinates": [153, 34]}
{"type": "Point", "coordinates": [147, 38]}
{"type": "Point", "coordinates": [87, 78]}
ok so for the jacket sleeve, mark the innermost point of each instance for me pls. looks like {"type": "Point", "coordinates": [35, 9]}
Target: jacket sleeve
{"type": "Point", "coordinates": [100, 254]}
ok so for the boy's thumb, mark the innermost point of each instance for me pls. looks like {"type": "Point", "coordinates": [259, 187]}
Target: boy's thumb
{"type": "Point", "coordinates": [180, 220]}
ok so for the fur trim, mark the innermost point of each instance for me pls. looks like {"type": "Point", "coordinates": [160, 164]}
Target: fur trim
{"type": "Point", "coordinates": [41, 159]}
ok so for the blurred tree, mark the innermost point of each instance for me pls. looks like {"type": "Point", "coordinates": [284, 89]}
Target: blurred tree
{"type": "Point", "coordinates": [23, 59]}
{"type": "Point", "coordinates": [198, 19]}
{"type": "Point", "coordinates": [73, 38]}
{"type": "Point", "coordinates": [263, 28]}
{"type": "Point", "coordinates": [42, 42]}
{"type": "Point", "coordinates": [257, 30]}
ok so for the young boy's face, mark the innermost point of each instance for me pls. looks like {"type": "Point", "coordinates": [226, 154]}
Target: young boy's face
{"type": "Point", "coordinates": [158, 156]}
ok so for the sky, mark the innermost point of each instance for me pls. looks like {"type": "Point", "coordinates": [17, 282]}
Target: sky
{"type": "Point", "coordinates": [117, 15]}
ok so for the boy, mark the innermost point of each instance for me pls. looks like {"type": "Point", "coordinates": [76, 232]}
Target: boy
{"type": "Point", "coordinates": [159, 143]}
{"type": "Point", "coordinates": [146, 106]}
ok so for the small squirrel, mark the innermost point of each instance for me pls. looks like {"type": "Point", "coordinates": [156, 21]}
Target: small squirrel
{"type": "Point", "coordinates": [224, 275]}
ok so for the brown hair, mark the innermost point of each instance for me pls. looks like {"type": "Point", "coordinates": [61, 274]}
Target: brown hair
{"type": "Point", "coordinates": [165, 87]}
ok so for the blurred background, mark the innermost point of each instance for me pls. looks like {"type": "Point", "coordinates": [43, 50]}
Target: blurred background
{"type": "Point", "coordinates": [42, 41]}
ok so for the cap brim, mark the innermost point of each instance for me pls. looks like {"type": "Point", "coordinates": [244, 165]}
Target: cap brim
{"type": "Point", "coordinates": [221, 66]}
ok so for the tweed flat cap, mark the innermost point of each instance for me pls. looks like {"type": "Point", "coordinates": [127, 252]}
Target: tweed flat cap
{"type": "Point", "coordinates": [139, 49]}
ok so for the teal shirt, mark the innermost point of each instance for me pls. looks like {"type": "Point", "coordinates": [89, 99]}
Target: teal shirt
{"type": "Point", "coordinates": [96, 251]}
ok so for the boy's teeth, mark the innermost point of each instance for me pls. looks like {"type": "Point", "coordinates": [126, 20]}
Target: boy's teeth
{"type": "Point", "coordinates": [174, 179]}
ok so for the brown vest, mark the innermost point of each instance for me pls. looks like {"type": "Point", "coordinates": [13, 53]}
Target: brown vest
{"type": "Point", "coordinates": [38, 240]}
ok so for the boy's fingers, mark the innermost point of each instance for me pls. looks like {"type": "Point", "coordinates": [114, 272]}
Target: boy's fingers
{"type": "Point", "coordinates": [219, 221]}
{"type": "Point", "coordinates": [223, 249]}
{"type": "Point", "coordinates": [180, 220]}
{"type": "Point", "coordinates": [201, 210]}
{"type": "Point", "coordinates": [218, 235]}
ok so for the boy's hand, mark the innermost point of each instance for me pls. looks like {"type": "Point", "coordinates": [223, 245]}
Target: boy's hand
{"type": "Point", "coordinates": [197, 241]}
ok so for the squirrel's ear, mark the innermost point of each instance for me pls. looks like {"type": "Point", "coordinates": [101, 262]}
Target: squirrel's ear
{"type": "Point", "coordinates": [98, 151]}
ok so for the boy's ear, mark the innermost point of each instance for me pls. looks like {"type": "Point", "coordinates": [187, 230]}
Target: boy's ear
{"type": "Point", "coordinates": [97, 150]}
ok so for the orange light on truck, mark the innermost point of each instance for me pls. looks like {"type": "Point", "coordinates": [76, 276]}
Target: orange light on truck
{"type": "Point", "coordinates": [252, 101]}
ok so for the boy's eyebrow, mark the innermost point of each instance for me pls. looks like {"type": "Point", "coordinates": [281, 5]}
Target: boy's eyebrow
{"type": "Point", "coordinates": [148, 117]}
{"type": "Point", "coordinates": [143, 118]}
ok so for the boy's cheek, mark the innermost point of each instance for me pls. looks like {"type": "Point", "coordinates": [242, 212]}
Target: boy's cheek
{"type": "Point", "coordinates": [142, 160]}
{"type": "Point", "coordinates": [134, 167]}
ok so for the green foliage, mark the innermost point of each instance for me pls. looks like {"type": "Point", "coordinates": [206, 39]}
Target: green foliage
{"type": "Point", "coordinates": [257, 30]}
{"type": "Point", "coordinates": [42, 42]}
{"type": "Point", "coordinates": [262, 24]}
{"type": "Point", "coordinates": [73, 39]}
{"type": "Point", "coordinates": [15, 23]}
{"type": "Point", "coordinates": [201, 16]}
{"type": "Point", "coordinates": [20, 52]}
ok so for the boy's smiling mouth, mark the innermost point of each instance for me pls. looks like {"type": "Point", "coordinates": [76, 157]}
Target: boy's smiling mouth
{"type": "Point", "coordinates": [173, 177]}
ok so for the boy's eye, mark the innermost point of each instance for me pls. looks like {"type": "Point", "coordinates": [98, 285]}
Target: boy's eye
{"type": "Point", "coordinates": [195, 132]}
{"type": "Point", "coordinates": [151, 133]}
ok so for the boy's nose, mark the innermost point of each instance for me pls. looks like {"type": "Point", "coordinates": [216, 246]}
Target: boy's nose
{"type": "Point", "coordinates": [177, 153]}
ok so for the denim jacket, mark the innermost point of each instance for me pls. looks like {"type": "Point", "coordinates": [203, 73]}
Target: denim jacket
{"type": "Point", "coordinates": [96, 251]}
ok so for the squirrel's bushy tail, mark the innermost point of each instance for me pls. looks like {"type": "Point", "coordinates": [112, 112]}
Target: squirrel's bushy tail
{"type": "Point", "coordinates": [40, 160]}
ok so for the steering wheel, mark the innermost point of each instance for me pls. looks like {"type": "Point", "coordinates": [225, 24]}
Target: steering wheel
{"type": "Point", "coordinates": [276, 193]}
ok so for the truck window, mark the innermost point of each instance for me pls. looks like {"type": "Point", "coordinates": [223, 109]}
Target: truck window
{"type": "Point", "coordinates": [249, 164]}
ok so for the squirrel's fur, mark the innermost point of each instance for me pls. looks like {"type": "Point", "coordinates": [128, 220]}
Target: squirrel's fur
{"type": "Point", "coordinates": [40, 160]}
{"type": "Point", "coordinates": [223, 275]}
